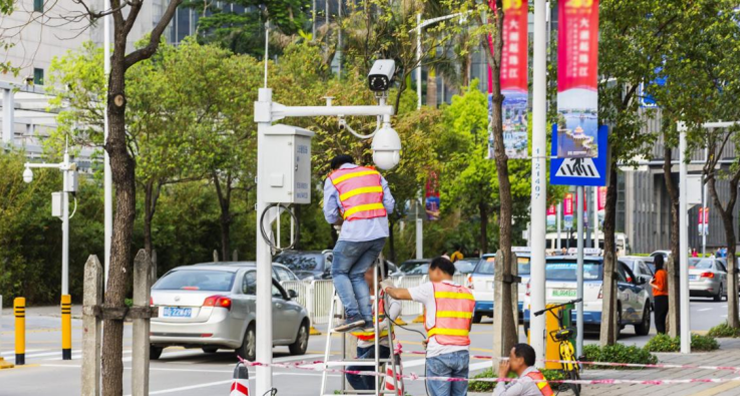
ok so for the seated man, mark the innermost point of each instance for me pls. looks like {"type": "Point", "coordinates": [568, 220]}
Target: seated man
{"type": "Point", "coordinates": [521, 361]}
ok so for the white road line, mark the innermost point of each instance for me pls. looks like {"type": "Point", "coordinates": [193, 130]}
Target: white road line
{"type": "Point", "coordinates": [12, 353]}
{"type": "Point", "coordinates": [184, 388]}
{"type": "Point", "coordinates": [704, 310]}
{"type": "Point", "coordinates": [480, 366]}
{"type": "Point", "coordinates": [293, 358]}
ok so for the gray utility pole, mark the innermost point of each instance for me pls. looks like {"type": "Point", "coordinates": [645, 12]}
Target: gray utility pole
{"type": "Point", "coordinates": [683, 241]}
{"type": "Point", "coordinates": [580, 199]}
{"type": "Point", "coordinates": [559, 213]}
{"type": "Point", "coordinates": [538, 205]}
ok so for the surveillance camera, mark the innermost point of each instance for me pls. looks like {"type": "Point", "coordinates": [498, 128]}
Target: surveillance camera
{"type": "Point", "coordinates": [28, 175]}
{"type": "Point", "coordinates": [381, 75]}
{"type": "Point", "coordinates": [386, 147]}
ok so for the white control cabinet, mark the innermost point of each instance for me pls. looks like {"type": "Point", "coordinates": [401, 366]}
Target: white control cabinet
{"type": "Point", "coordinates": [287, 165]}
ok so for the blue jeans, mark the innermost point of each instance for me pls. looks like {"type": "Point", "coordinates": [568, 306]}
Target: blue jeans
{"type": "Point", "coordinates": [366, 382]}
{"type": "Point", "coordinates": [453, 365]}
{"type": "Point", "coordinates": [351, 261]}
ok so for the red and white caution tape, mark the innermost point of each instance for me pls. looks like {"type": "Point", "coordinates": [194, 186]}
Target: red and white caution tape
{"type": "Point", "coordinates": [312, 366]}
{"type": "Point", "coordinates": [398, 350]}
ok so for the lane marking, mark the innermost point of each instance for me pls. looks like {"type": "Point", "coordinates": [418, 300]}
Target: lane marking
{"type": "Point", "coordinates": [704, 310]}
{"type": "Point", "coordinates": [184, 388]}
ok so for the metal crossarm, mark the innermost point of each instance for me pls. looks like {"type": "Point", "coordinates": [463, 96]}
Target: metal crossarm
{"type": "Point", "coordinates": [379, 364]}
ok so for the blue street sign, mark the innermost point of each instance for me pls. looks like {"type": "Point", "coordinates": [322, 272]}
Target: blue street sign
{"type": "Point", "coordinates": [580, 171]}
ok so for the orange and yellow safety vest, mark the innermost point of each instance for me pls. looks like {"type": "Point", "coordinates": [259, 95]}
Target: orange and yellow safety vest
{"type": "Point", "coordinates": [455, 305]}
{"type": "Point", "coordinates": [360, 192]}
{"type": "Point", "coordinates": [544, 386]}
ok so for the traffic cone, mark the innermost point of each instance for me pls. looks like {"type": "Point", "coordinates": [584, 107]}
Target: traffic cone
{"type": "Point", "coordinates": [240, 385]}
{"type": "Point", "coordinates": [390, 385]}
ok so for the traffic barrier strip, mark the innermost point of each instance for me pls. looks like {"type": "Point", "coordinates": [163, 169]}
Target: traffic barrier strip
{"type": "Point", "coordinates": [607, 364]}
{"type": "Point", "coordinates": [311, 366]}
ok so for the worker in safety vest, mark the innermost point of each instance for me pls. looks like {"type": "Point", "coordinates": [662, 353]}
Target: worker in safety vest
{"type": "Point", "coordinates": [530, 381]}
{"type": "Point", "coordinates": [358, 199]}
{"type": "Point", "coordinates": [366, 339]}
{"type": "Point", "coordinates": [448, 318]}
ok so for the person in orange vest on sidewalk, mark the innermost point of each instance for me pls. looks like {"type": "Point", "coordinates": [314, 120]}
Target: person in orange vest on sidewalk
{"type": "Point", "coordinates": [530, 380]}
{"type": "Point", "coordinates": [358, 199]}
{"type": "Point", "coordinates": [448, 317]}
{"type": "Point", "coordinates": [366, 339]}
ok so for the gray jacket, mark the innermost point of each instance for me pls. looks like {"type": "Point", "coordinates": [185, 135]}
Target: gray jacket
{"type": "Point", "coordinates": [524, 386]}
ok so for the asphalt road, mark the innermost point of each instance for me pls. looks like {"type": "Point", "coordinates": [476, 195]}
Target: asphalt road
{"type": "Point", "coordinates": [192, 372]}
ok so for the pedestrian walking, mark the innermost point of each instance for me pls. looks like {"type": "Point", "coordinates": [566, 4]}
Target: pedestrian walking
{"type": "Point", "coordinates": [694, 253]}
{"type": "Point", "coordinates": [530, 380]}
{"type": "Point", "coordinates": [448, 317]}
{"type": "Point", "coordinates": [660, 294]}
{"type": "Point", "coordinates": [358, 199]}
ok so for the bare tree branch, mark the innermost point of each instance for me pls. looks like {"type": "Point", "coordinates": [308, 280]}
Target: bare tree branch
{"type": "Point", "coordinates": [146, 52]}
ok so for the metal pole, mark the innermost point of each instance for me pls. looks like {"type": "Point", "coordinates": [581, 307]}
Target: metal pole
{"type": "Point", "coordinates": [418, 61]}
{"type": "Point", "coordinates": [559, 225]}
{"type": "Point", "coordinates": [339, 39]}
{"type": "Point", "coordinates": [683, 244]}
{"type": "Point", "coordinates": [65, 226]}
{"type": "Point", "coordinates": [539, 194]}
{"type": "Point", "coordinates": [596, 217]}
{"type": "Point", "coordinates": [704, 200]}
{"type": "Point", "coordinates": [108, 175]}
{"type": "Point", "coordinates": [8, 114]}
{"type": "Point", "coordinates": [419, 232]}
{"type": "Point", "coordinates": [264, 265]}
{"type": "Point", "coordinates": [313, 20]}
{"type": "Point", "coordinates": [580, 199]}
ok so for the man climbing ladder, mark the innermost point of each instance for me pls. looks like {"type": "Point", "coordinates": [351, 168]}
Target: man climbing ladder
{"type": "Point", "coordinates": [358, 199]}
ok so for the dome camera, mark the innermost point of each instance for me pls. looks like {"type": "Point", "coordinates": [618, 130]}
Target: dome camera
{"type": "Point", "coordinates": [386, 147]}
{"type": "Point", "coordinates": [28, 175]}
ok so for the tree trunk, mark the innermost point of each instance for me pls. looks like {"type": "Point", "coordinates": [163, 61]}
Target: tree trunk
{"type": "Point", "coordinates": [674, 313]}
{"type": "Point", "coordinates": [609, 326]}
{"type": "Point", "coordinates": [122, 168]}
{"type": "Point", "coordinates": [502, 171]}
{"type": "Point", "coordinates": [151, 195]}
{"type": "Point", "coordinates": [726, 213]}
{"type": "Point", "coordinates": [224, 202]}
{"type": "Point", "coordinates": [391, 241]}
{"type": "Point", "coordinates": [483, 227]}
{"type": "Point", "coordinates": [431, 89]}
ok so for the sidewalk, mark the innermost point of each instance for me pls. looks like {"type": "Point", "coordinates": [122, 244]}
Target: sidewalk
{"type": "Point", "coordinates": [727, 355]}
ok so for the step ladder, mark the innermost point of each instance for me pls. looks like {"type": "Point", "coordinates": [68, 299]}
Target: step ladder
{"type": "Point", "coordinates": [380, 365]}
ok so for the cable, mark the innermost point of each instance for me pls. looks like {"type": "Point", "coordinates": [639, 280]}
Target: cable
{"type": "Point", "coordinates": [267, 237]}
{"type": "Point", "coordinates": [271, 392]}
{"type": "Point", "coordinates": [74, 211]}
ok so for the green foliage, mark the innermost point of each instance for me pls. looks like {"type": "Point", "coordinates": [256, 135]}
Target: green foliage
{"type": "Point", "coordinates": [723, 330]}
{"type": "Point", "coordinates": [484, 386]}
{"type": "Point", "coordinates": [664, 343]}
{"type": "Point", "coordinates": [617, 353]}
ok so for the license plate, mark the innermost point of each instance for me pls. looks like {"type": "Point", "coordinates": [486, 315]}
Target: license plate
{"type": "Point", "coordinates": [564, 293]}
{"type": "Point", "coordinates": [174, 312]}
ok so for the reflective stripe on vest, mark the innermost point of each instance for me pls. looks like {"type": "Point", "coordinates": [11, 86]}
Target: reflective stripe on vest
{"type": "Point", "coordinates": [544, 387]}
{"type": "Point", "coordinates": [455, 305]}
{"type": "Point", "coordinates": [360, 192]}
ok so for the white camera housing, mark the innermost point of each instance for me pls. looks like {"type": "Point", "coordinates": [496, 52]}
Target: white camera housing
{"type": "Point", "coordinates": [28, 175]}
{"type": "Point", "coordinates": [381, 75]}
{"type": "Point", "coordinates": [386, 147]}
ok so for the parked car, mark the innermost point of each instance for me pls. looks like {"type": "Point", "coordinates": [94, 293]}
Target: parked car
{"type": "Point", "coordinates": [633, 301]}
{"type": "Point", "coordinates": [409, 265]}
{"type": "Point", "coordinates": [480, 282]}
{"type": "Point", "coordinates": [641, 269]}
{"type": "Point", "coordinates": [708, 278]}
{"type": "Point", "coordinates": [307, 265]}
{"type": "Point", "coordinates": [466, 265]}
{"type": "Point", "coordinates": [212, 306]}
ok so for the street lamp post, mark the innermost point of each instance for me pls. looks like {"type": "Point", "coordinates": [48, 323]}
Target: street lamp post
{"type": "Point", "coordinates": [61, 209]}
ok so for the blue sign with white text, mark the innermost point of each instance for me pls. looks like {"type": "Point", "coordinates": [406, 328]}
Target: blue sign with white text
{"type": "Point", "coordinates": [580, 171]}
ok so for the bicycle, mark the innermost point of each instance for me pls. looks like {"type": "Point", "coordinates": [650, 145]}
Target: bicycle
{"type": "Point", "coordinates": [562, 337]}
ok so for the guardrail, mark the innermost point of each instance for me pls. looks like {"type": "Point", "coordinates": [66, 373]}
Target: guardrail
{"type": "Point", "coordinates": [316, 295]}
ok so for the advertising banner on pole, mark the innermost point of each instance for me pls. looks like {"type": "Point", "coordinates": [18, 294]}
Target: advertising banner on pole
{"type": "Point", "coordinates": [568, 210]}
{"type": "Point", "coordinates": [431, 202]}
{"type": "Point", "coordinates": [701, 221]}
{"type": "Point", "coordinates": [551, 213]}
{"type": "Point", "coordinates": [578, 35]}
{"type": "Point", "coordinates": [704, 221]}
{"type": "Point", "coordinates": [513, 81]}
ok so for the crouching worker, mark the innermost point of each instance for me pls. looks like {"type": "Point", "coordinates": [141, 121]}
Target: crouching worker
{"type": "Point", "coordinates": [366, 339]}
{"type": "Point", "coordinates": [448, 319]}
{"type": "Point", "coordinates": [521, 362]}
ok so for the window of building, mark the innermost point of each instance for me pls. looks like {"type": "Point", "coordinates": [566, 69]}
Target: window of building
{"type": "Point", "coordinates": [38, 76]}
{"type": "Point", "coordinates": [38, 5]}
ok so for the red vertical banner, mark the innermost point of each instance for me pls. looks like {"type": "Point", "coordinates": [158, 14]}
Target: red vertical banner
{"type": "Point", "coordinates": [578, 40]}
{"type": "Point", "coordinates": [601, 201]}
{"type": "Point", "coordinates": [551, 210]}
{"type": "Point", "coordinates": [432, 202]}
{"type": "Point", "coordinates": [513, 79]}
{"type": "Point", "coordinates": [568, 205]}
{"type": "Point", "coordinates": [701, 216]}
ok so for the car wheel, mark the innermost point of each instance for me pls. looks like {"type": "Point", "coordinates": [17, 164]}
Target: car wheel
{"type": "Point", "coordinates": [155, 352]}
{"type": "Point", "coordinates": [477, 317]}
{"type": "Point", "coordinates": [644, 327]}
{"type": "Point", "coordinates": [209, 349]}
{"type": "Point", "coordinates": [248, 350]}
{"type": "Point", "coordinates": [301, 341]}
{"type": "Point", "coordinates": [718, 297]}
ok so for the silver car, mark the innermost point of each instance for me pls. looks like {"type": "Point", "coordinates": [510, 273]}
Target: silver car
{"type": "Point", "coordinates": [708, 278]}
{"type": "Point", "coordinates": [212, 306]}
